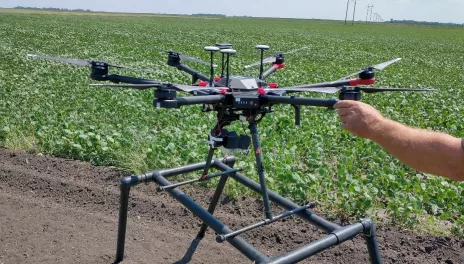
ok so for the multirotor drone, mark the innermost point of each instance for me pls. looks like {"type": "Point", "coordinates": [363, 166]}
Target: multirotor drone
{"type": "Point", "coordinates": [247, 99]}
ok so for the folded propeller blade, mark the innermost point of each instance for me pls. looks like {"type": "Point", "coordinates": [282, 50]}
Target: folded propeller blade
{"type": "Point", "coordinates": [266, 60]}
{"type": "Point", "coordinates": [376, 90]}
{"type": "Point", "coordinates": [179, 87]}
{"type": "Point", "coordinates": [127, 85]}
{"type": "Point", "coordinates": [379, 66]}
{"type": "Point", "coordinates": [272, 59]}
{"type": "Point", "coordinates": [181, 56]}
{"type": "Point", "coordinates": [384, 65]}
{"type": "Point", "coordinates": [185, 57]}
{"type": "Point", "coordinates": [330, 90]}
{"type": "Point", "coordinates": [295, 50]}
{"type": "Point", "coordinates": [77, 62]}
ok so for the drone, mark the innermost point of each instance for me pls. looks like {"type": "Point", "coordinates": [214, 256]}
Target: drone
{"type": "Point", "coordinates": [241, 92]}
{"type": "Point", "coordinates": [247, 99]}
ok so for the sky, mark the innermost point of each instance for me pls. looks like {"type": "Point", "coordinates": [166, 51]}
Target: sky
{"type": "Point", "coordinates": [420, 10]}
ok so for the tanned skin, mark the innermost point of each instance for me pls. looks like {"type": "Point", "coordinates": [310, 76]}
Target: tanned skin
{"type": "Point", "coordinates": [427, 151]}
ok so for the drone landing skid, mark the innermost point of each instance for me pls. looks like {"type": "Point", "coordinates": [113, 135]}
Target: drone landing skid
{"type": "Point", "coordinates": [336, 234]}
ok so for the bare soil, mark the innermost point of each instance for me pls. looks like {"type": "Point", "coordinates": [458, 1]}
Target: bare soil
{"type": "Point", "coordinates": [64, 211]}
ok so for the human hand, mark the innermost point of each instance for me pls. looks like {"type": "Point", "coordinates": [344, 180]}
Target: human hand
{"type": "Point", "coordinates": [358, 118]}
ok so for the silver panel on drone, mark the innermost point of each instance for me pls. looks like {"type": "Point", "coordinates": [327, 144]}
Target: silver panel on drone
{"type": "Point", "coordinates": [243, 82]}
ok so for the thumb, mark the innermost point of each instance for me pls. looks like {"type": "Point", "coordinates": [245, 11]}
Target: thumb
{"type": "Point", "coordinates": [344, 104]}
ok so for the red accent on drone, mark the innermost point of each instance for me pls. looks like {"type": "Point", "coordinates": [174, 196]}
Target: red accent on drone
{"type": "Point", "coordinates": [261, 91]}
{"type": "Point", "coordinates": [278, 66]}
{"type": "Point", "coordinates": [202, 83]}
{"type": "Point", "coordinates": [273, 85]}
{"type": "Point", "coordinates": [355, 82]}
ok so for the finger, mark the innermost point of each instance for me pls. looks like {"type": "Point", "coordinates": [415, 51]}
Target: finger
{"type": "Point", "coordinates": [344, 104]}
{"type": "Point", "coordinates": [346, 126]}
{"type": "Point", "coordinates": [344, 111]}
{"type": "Point", "coordinates": [345, 119]}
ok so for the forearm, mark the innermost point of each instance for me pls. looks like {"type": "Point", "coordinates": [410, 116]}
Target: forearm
{"type": "Point", "coordinates": [427, 151]}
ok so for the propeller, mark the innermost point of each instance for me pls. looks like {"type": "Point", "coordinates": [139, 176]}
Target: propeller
{"type": "Point", "coordinates": [376, 90]}
{"type": "Point", "coordinates": [329, 90]}
{"type": "Point", "coordinates": [134, 86]}
{"type": "Point", "coordinates": [379, 67]}
{"type": "Point", "coordinates": [332, 90]}
{"type": "Point", "coordinates": [187, 58]}
{"type": "Point", "coordinates": [179, 87]}
{"type": "Point", "coordinates": [77, 62]}
{"type": "Point", "coordinates": [181, 56]}
{"type": "Point", "coordinates": [273, 58]}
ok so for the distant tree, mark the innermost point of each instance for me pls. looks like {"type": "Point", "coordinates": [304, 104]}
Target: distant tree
{"type": "Point", "coordinates": [209, 15]}
{"type": "Point", "coordinates": [413, 22]}
{"type": "Point", "coordinates": [53, 9]}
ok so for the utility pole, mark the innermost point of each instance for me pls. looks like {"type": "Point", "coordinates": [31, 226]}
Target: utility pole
{"type": "Point", "coordinates": [370, 19]}
{"type": "Point", "coordinates": [369, 8]}
{"type": "Point", "coordinates": [347, 5]}
{"type": "Point", "coordinates": [354, 10]}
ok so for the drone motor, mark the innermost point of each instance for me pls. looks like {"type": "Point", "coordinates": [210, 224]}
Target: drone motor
{"type": "Point", "coordinates": [98, 70]}
{"type": "Point", "coordinates": [367, 74]}
{"type": "Point", "coordinates": [173, 59]}
{"type": "Point", "coordinates": [165, 94]}
{"type": "Point", "coordinates": [350, 95]}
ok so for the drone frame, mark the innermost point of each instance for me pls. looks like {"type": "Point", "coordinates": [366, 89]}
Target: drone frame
{"type": "Point", "coordinates": [246, 105]}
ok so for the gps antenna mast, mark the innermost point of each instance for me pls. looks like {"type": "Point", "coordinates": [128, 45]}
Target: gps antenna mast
{"type": "Point", "coordinates": [211, 50]}
{"type": "Point", "coordinates": [262, 48]}
{"type": "Point", "coordinates": [228, 52]}
{"type": "Point", "coordinates": [223, 46]}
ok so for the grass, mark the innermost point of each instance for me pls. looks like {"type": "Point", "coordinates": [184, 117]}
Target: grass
{"type": "Point", "coordinates": [48, 106]}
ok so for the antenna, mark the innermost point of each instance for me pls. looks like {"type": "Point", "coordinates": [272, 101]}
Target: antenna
{"type": "Point", "coordinates": [212, 50]}
{"type": "Point", "coordinates": [262, 48]}
{"type": "Point", "coordinates": [223, 46]}
{"type": "Point", "coordinates": [228, 52]}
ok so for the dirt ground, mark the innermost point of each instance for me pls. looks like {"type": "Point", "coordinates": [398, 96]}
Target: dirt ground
{"type": "Point", "coordinates": [63, 211]}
